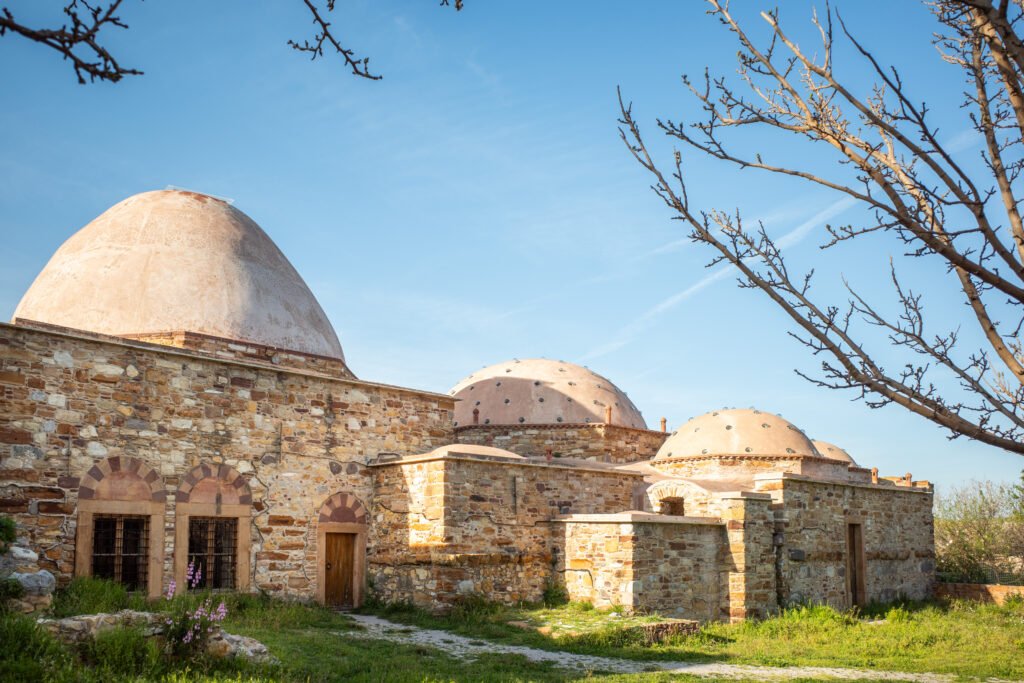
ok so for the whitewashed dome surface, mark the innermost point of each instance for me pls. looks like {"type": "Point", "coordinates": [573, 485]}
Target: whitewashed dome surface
{"type": "Point", "coordinates": [737, 432]}
{"type": "Point", "coordinates": [172, 260]}
{"type": "Point", "coordinates": [541, 391]}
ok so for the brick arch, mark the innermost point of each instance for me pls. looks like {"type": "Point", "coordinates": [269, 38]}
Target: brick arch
{"type": "Point", "coordinates": [344, 508]}
{"type": "Point", "coordinates": [213, 483]}
{"type": "Point", "coordinates": [668, 489]}
{"type": "Point", "coordinates": [124, 478]}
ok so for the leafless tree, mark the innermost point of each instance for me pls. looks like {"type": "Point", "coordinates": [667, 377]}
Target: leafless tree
{"type": "Point", "coordinates": [889, 161]}
{"type": "Point", "coordinates": [80, 42]}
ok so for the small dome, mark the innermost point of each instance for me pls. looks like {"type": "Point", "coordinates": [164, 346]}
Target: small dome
{"type": "Point", "coordinates": [171, 261]}
{"type": "Point", "coordinates": [834, 452]}
{"type": "Point", "coordinates": [737, 432]}
{"type": "Point", "coordinates": [540, 391]}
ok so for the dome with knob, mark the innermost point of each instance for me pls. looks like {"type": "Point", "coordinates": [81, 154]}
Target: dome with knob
{"type": "Point", "coordinates": [541, 391]}
{"type": "Point", "coordinates": [737, 432]}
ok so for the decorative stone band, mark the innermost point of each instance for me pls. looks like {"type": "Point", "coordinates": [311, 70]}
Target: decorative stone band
{"type": "Point", "coordinates": [226, 479]}
{"type": "Point", "coordinates": [515, 461]}
{"type": "Point", "coordinates": [520, 428]}
{"type": "Point", "coordinates": [771, 481]}
{"type": "Point", "coordinates": [749, 456]}
{"type": "Point", "coordinates": [343, 508]}
{"type": "Point", "coordinates": [122, 478]}
{"type": "Point", "coordinates": [222, 347]}
{"type": "Point", "coordinates": [637, 517]}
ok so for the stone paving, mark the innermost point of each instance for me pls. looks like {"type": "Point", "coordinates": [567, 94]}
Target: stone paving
{"type": "Point", "coordinates": [469, 648]}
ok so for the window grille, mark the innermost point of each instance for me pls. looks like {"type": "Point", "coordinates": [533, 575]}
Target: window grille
{"type": "Point", "coordinates": [212, 550]}
{"type": "Point", "coordinates": [120, 549]}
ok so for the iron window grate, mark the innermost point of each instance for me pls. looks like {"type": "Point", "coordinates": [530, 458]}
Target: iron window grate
{"type": "Point", "coordinates": [120, 549]}
{"type": "Point", "coordinates": [213, 551]}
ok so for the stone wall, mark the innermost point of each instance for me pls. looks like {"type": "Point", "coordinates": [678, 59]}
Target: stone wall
{"type": "Point", "coordinates": [811, 519]}
{"type": "Point", "coordinates": [980, 592]}
{"type": "Point", "coordinates": [71, 400]}
{"type": "Point", "coordinates": [456, 525]}
{"type": "Point", "coordinates": [645, 562]}
{"type": "Point", "coordinates": [248, 352]}
{"type": "Point", "coordinates": [749, 557]}
{"type": "Point", "coordinates": [745, 467]}
{"type": "Point", "coordinates": [596, 442]}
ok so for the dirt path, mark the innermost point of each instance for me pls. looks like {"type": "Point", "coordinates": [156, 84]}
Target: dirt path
{"type": "Point", "coordinates": [468, 648]}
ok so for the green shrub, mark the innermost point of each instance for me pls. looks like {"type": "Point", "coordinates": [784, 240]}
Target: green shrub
{"type": "Point", "coordinates": [10, 589]}
{"type": "Point", "coordinates": [8, 533]}
{"type": "Point", "coordinates": [88, 595]}
{"type": "Point", "coordinates": [555, 595]}
{"type": "Point", "coordinates": [474, 608]}
{"type": "Point", "coordinates": [124, 652]}
{"type": "Point", "coordinates": [29, 653]}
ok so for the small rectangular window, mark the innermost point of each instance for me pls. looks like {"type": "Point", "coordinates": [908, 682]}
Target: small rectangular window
{"type": "Point", "coordinates": [120, 549]}
{"type": "Point", "coordinates": [212, 550]}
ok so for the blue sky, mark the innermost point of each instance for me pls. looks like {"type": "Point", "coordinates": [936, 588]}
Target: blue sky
{"type": "Point", "coordinates": [476, 204]}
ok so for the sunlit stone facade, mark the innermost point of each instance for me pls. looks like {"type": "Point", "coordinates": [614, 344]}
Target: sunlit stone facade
{"type": "Point", "coordinates": [144, 430]}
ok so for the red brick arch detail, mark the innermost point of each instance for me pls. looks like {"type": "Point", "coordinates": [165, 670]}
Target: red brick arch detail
{"type": "Point", "coordinates": [140, 481]}
{"type": "Point", "coordinates": [343, 507]}
{"type": "Point", "coordinates": [228, 477]}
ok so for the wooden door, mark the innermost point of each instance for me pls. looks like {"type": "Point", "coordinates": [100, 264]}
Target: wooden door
{"type": "Point", "coordinates": [339, 571]}
{"type": "Point", "coordinates": [855, 564]}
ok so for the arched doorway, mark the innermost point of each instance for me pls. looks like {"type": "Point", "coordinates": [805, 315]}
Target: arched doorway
{"type": "Point", "coordinates": [341, 551]}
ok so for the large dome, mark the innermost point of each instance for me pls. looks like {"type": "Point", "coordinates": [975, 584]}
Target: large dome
{"type": "Point", "coordinates": [170, 261]}
{"type": "Point", "coordinates": [539, 391]}
{"type": "Point", "coordinates": [737, 432]}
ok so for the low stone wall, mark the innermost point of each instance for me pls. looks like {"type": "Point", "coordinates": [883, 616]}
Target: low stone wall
{"type": "Point", "coordinates": [451, 526]}
{"type": "Point", "coordinates": [596, 442]}
{"type": "Point", "coordinates": [645, 562]}
{"type": "Point", "coordinates": [981, 592]}
{"type": "Point", "coordinates": [80, 629]}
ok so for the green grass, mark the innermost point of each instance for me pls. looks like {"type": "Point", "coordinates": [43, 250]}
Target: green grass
{"type": "Point", "coordinates": [86, 595]}
{"type": "Point", "coordinates": [960, 638]}
{"type": "Point", "coordinates": [308, 639]}
{"type": "Point", "coordinates": [965, 639]}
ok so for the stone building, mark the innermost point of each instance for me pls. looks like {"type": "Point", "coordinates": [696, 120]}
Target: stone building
{"type": "Point", "coordinates": [173, 394]}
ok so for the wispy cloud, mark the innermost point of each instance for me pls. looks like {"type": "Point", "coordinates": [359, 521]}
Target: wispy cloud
{"type": "Point", "coordinates": [629, 332]}
{"type": "Point", "coordinates": [963, 141]}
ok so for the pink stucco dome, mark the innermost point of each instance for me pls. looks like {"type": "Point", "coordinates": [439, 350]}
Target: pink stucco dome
{"type": "Point", "coordinates": [737, 432]}
{"type": "Point", "coordinates": [170, 261]}
{"type": "Point", "coordinates": [541, 391]}
{"type": "Point", "coordinates": [834, 452]}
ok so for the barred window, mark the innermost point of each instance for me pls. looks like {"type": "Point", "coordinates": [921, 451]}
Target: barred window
{"type": "Point", "coordinates": [212, 550]}
{"type": "Point", "coordinates": [120, 549]}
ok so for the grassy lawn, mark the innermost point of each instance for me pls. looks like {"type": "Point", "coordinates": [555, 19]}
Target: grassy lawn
{"type": "Point", "coordinates": [309, 641]}
{"type": "Point", "coordinates": [966, 639]}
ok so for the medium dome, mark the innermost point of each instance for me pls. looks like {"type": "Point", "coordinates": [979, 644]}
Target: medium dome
{"type": "Point", "coordinates": [834, 452]}
{"type": "Point", "coordinates": [170, 261]}
{"type": "Point", "coordinates": [540, 391]}
{"type": "Point", "coordinates": [737, 432]}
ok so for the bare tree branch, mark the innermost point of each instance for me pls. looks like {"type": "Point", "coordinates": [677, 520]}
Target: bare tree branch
{"type": "Point", "coordinates": [890, 160]}
{"type": "Point", "coordinates": [78, 42]}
